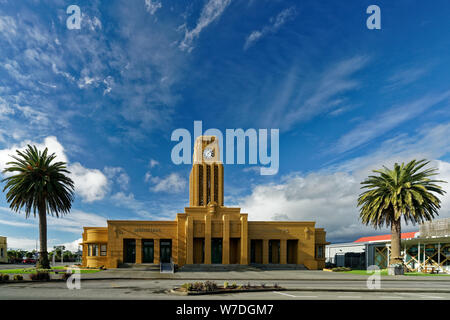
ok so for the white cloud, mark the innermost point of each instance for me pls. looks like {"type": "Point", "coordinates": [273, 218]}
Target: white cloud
{"type": "Point", "coordinates": [329, 196]}
{"type": "Point", "coordinates": [275, 24]}
{"type": "Point", "coordinates": [172, 183]}
{"type": "Point", "coordinates": [90, 184]}
{"type": "Point", "coordinates": [73, 246]}
{"type": "Point", "coordinates": [153, 163]}
{"type": "Point", "coordinates": [119, 175]}
{"type": "Point", "coordinates": [212, 10]}
{"type": "Point", "coordinates": [152, 6]}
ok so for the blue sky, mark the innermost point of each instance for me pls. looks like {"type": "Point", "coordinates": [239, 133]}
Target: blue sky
{"type": "Point", "coordinates": [107, 97]}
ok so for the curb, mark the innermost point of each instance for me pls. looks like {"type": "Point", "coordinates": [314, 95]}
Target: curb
{"type": "Point", "coordinates": [202, 293]}
{"type": "Point", "coordinates": [250, 279]}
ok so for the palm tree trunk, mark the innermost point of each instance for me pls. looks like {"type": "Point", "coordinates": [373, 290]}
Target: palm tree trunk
{"type": "Point", "coordinates": [43, 262]}
{"type": "Point", "coordinates": [396, 242]}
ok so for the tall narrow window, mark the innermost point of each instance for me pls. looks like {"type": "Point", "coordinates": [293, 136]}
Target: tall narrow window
{"type": "Point", "coordinates": [200, 185]}
{"type": "Point", "coordinates": [216, 183]}
{"type": "Point", "coordinates": [103, 250]}
{"type": "Point", "coordinates": [208, 184]}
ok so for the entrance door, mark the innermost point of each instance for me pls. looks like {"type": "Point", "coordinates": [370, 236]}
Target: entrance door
{"type": "Point", "coordinates": [165, 250]}
{"type": "Point", "coordinates": [147, 251]}
{"type": "Point", "coordinates": [129, 246]}
{"type": "Point", "coordinates": [274, 251]}
{"type": "Point", "coordinates": [216, 250]}
{"type": "Point", "coordinates": [256, 251]}
{"type": "Point", "coordinates": [199, 250]}
{"type": "Point", "coordinates": [235, 250]}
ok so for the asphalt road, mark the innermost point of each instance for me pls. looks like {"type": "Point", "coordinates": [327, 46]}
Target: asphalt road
{"type": "Point", "coordinates": [157, 289]}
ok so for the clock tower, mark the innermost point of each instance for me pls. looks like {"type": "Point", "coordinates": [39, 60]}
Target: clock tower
{"type": "Point", "coordinates": [206, 178]}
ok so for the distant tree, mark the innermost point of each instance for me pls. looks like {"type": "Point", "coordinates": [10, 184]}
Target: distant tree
{"type": "Point", "coordinates": [41, 187]}
{"type": "Point", "coordinates": [404, 192]}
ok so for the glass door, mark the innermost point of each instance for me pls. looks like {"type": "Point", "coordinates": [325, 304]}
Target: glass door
{"type": "Point", "coordinates": [147, 251]}
{"type": "Point", "coordinates": [129, 246]}
{"type": "Point", "coordinates": [165, 250]}
{"type": "Point", "coordinates": [216, 250]}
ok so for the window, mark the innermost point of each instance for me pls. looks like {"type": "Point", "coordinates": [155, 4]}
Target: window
{"type": "Point", "coordinates": [319, 252]}
{"type": "Point", "coordinates": [95, 250]}
{"type": "Point", "coordinates": [89, 253]}
{"type": "Point", "coordinates": [1, 253]}
{"type": "Point", "coordinates": [103, 249]}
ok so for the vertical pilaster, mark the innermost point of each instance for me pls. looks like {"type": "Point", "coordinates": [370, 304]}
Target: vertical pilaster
{"type": "Point", "coordinates": [265, 251]}
{"type": "Point", "coordinates": [207, 239]}
{"type": "Point", "coordinates": [226, 240]}
{"type": "Point", "coordinates": [244, 239]}
{"type": "Point", "coordinates": [283, 251]}
{"type": "Point", "coordinates": [189, 240]}
{"type": "Point", "coordinates": [138, 250]}
{"type": "Point", "coordinates": [156, 251]}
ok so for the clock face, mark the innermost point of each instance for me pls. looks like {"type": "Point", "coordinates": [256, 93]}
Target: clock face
{"type": "Point", "coordinates": [208, 153]}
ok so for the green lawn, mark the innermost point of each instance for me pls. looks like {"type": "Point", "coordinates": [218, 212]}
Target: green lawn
{"type": "Point", "coordinates": [385, 273]}
{"type": "Point", "coordinates": [33, 270]}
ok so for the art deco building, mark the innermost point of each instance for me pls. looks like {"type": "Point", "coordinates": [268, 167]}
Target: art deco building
{"type": "Point", "coordinates": [207, 232]}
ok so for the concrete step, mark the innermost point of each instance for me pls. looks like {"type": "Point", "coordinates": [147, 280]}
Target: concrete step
{"type": "Point", "coordinates": [275, 266]}
{"type": "Point", "coordinates": [215, 268]}
{"type": "Point", "coordinates": [141, 266]}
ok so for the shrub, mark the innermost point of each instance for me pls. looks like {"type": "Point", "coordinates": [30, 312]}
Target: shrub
{"type": "Point", "coordinates": [210, 286]}
{"type": "Point", "coordinates": [188, 286]}
{"type": "Point", "coordinates": [40, 276]}
{"type": "Point", "coordinates": [234, 285]}
{"type": "Point", "coordinates": [18, 277]}
{"type": "Point", "coordinates": [225, 284]}
{"type": "Point", "coordinates": [339, 269]}
{"type": "Point", "coordinates": [198, 286]}
{"type": "Point", "coordinates": [4, 277]}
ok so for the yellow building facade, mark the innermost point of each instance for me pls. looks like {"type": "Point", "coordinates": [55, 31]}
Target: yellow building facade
{"type": "Point", "coordinates": [3, 250]}
{"type": "Point", "coordinates": [207, 232]}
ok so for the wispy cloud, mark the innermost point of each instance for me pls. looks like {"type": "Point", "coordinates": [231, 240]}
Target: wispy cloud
{"type": "Point", "coordinates": [375, 127]}
{"type": "Point", "coordinates": [273, 26]}
{"type": "Point", "coordinates": [152, 6]}
{"type": "Point", "coordinates": [212, 10]}
{"type": "Point", "coordinates": [406, 76]}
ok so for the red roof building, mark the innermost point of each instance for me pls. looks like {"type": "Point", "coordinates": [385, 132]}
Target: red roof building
{"type": "Point", "coordinates": [386, 237]}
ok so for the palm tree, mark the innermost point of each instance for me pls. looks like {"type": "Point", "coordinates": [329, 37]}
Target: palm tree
{"type": "Point", "coordinates": [403, 192]}
{"type": "Point", "coordinates": [41, 186]}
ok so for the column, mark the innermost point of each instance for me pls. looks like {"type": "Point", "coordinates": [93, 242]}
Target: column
{"type": "Point", "coordinates": [189, 240]}
{"type": "Point", "coordinates": [156, 251]}
{"type": "Point", "coordinates": [226, 240]}
{"type": "Point", "coordinates": [265, 253]}
{"type": "Point", "coordinates": [207, 239]}
{"type": "Point", "coordinates": [283, 251]}
{"type": "Point", "coordinates": [244, 239]}
{"type": "Point", "coordinates": [138, 250]}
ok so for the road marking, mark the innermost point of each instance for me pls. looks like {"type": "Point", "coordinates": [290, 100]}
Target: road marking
{"type": "Point", "coordinates": [285, 294]}
{"type": "Point", "coordinates": [290, 295]}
